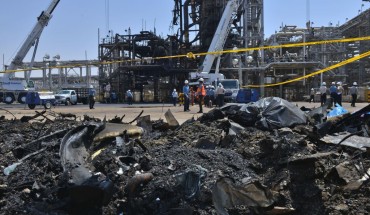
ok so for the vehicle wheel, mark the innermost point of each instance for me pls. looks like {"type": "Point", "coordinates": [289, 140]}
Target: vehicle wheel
{"type": "Point", "coordinates": [9, 98]}
{"type": "Point", "coordinates": [47, 105]}
{"type": "Point", "coordinates": [31, 106]}
{"type": "Point", "coordinates": [22, 98]}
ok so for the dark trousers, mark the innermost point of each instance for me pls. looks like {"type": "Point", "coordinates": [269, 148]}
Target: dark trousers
{"type": "Point", "coordinates": [312, 98]}
{"type": "Point", "coordinates": [91, 102]}
{"type": "Point", "coordinates": [186, 104]}
{"type": "Point", "coordinates": [220, 100]}
{"type": "Point", "coordinates": [323, 99]}
{"type": "Point", "coordinates": [339, 99]}
{"type": "Point", "coordinates": [211, 101]}
{"type": "Point", "coordinates": [206, 100]}
{"type": "Point", "coordinates": [333, 96]}
{"type": "Point", "coordinates": [174, 100]}
{"type": "Point", "coordinates": [129, 100]}
{"type": "Point", "coordinates": [354, 98]}
{"type": "Point", "coordinates": [201, 98]}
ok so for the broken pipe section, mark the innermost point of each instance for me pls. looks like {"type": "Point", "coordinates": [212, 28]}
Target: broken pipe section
{"type": "Point", "coordinates": [85, 187]}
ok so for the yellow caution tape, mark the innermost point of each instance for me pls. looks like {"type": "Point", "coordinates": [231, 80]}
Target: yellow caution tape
{"type": "Point", "coordinates": [350, 60]}
{"type": "Point", "coordinates": [194, 55]}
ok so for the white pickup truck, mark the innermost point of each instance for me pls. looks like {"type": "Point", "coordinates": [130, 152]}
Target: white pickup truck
{"type": "Point", "coordinates": [66, 97]}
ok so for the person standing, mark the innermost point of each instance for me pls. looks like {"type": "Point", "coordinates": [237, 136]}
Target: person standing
{"type": "Point", "coordinates": [220, 95]}
{"type": "Point", "coordinates": [312, 95]}
{"type": "Point", "coordinates": [129, 97]}
{"type": "Point", "coordinates": [333, 93]}
{"type": "Point", "coordinates": [186, 92]}
{"type": "Point", "coordinates": [92, 94]}
{"type": "Point", "coordinates": [201, 92]}
{"type": "Point", "coordinates": [174, 97]}
{"type": "Point", "coordinates": [354, 92]}
{"type": "Point", "coordinates": [340, 91]}
{"type": "Point", "coordinates": [323, 91]}
{"type": "Point", "coordinates": [206, 98]}
{"type": "Point", "coordinates": [107, 93]}
{"type": "Point", "coordinates": [211, 96]}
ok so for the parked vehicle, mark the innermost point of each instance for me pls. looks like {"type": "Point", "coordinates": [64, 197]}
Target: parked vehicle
{"type": "Point", "coordinates": [46, 99]}
{"type": "Point", "coordinates": [231, 87]}
{"type": "Point", "coordinates": [14, 89]}
{"type": "Point", "coordinates": [73, 96]}
{"type": "Point", "coordinates": [66, 97]}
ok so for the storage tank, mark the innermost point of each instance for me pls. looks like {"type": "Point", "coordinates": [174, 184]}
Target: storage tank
{"type": "Point", "coordinates": [136, 96]}
{"type": "Point", "coordinates": [149, 96]}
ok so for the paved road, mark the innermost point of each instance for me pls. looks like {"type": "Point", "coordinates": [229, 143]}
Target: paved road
{"type": "Point", "coordinates": [156, 111]}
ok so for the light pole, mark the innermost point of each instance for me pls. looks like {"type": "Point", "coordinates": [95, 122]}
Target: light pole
{"type": "Point", "coordinates": [45, 59]}
{"type": "Point", "coordinates": [55, 64]}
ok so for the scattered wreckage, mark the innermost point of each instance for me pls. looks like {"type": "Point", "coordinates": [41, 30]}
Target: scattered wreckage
{"type": "Point", "coordinates": [267, 157]}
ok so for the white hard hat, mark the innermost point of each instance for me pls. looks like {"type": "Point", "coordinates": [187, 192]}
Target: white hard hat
{"type": "Point", "coordinates": [186, 82]}
{"type": "Point", "coordinates": [323, 83]}
{"type": "Point", "coordinates": [129, 90]}
{"type": "Point", "coordinates": [312, 89]}
{"type": "Point", "coordinates": [219, 84]}
{"type": "Point", "coordinates": [91, 86]}
{"type": "Point", "coordinates": [174, 90]}
{"type": "Point", "coordinates": [339, 83]}
{"type": "Point", "coordinates": [333, 83]}
{"type": "Point", "coordinates": [355, 83]}
{"type": "Point", "coordinates": [201, 80]}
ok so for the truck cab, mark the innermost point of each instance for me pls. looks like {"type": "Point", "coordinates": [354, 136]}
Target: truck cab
{"type": "Point", "coordinates": [66, 97]}
{"type": "Point", "coordinates": [231, 87]}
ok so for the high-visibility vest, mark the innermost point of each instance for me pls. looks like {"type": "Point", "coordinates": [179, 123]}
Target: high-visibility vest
{"type": "Point", "coordinates": [201, 90]}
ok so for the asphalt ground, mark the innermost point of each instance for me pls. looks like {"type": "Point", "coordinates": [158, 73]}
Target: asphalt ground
{"type": "Point", "coordinates": [130, 112]}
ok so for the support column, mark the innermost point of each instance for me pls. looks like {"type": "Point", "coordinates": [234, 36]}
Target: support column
{"type": "Point", "coordinates": [262, 82]}
{"type": "Point", "coordinates": [65, 76]}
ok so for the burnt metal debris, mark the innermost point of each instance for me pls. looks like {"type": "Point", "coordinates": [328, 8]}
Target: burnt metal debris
{"type": "Point", "coordinates": [268, 157]}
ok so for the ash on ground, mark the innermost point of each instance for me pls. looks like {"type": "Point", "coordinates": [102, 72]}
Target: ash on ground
{"type": "Point", "coordinates": [240, 159]}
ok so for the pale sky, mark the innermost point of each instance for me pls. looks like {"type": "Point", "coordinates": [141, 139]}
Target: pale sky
{"type": "Point", "coordinates": [73, 30]}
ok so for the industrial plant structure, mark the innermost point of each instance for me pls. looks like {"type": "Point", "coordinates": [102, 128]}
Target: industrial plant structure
{"type": "Point", "coordinates": [197, 21]}
{"type": "Point", "coordinates": [130, 60]}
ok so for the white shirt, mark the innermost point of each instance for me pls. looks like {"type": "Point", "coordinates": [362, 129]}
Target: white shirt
{"type": "Point", "coordinates": [323, 89]}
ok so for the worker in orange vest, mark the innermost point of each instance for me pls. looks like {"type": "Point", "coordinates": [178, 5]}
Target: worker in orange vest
{"type": "Point", "coordinates": [201, 92]}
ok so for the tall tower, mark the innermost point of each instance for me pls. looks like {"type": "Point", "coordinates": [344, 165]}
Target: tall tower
{"type": "Point", "coordinates": [254, 27]}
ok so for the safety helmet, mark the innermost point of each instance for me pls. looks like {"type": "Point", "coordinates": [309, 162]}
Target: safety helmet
{"type": "Point", "coordinates": [312, 89]}
{"type": "Point", "coordinates": [201, 80]}
{"type": "Point", "coordinates": [220, 85]}
{"type": "Point", "coordinates": [174, 90]}
{"type": "Point", "coordinates": [333, 83]}
{"type": "Point", "coordinates": [339, 83]}
{"type": "Point", "coordinates": [323, 83]}
{"type": "Point", "coordinates": [186, 82]}
{"type": "Point", "coordinates": [355, 83]}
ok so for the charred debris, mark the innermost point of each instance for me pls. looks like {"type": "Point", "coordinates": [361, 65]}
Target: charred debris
{"type": "Point", "coordinates": [267, 157]}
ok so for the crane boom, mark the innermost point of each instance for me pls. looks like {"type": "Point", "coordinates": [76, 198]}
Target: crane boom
{"type": "Point", "coordinates": [220, 36]}
{"type": "Point", "coordinates": [42, 21]}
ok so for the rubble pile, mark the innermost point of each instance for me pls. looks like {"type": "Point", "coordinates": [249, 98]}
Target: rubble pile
{"type": "Point", "coordinates": [241, 159]}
